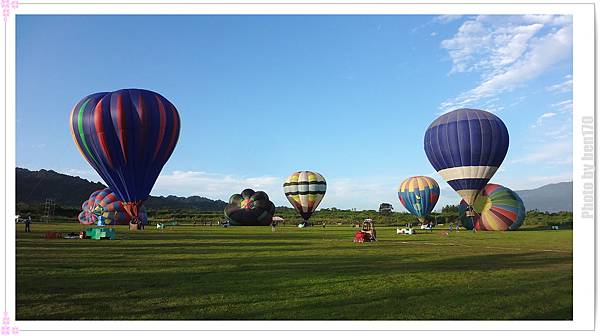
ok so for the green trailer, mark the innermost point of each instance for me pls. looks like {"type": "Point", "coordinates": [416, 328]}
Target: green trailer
{"type": "Point", "coordinates": [100, 233]}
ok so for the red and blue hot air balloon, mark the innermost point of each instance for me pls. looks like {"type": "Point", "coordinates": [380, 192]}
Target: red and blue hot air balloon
{"type": "Point", "coordinates": [127, 136]}
{"type": "Point", "coordinates": [466, 147]}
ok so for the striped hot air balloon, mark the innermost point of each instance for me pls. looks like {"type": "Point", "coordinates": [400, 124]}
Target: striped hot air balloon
{"type": "Point", "coordinates": [466, 147]}
{"type": "Point", "coordinates": [498, 208]}
{"type": "Point", "coordinates": [127, 136]}
{"type": "Point", "coordinates": [105, 203]}
{"type": "Point", "coordinates": [419, 194]}
{"type": "Point", "coordinates": [305, 190]}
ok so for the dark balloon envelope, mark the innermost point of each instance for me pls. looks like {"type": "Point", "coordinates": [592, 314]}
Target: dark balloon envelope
{"type": "Point", "coordinates": [127, 136]}
{"type": "Point", "coordinates": [250, 208]}
{"type": "Point", "coordinates": [466, 147]}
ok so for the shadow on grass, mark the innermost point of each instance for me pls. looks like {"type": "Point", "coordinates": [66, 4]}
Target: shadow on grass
{"type": "Point", "coordinates": [302, 287]}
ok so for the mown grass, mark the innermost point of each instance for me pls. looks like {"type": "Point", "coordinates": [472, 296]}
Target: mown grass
{"type": "Point", "coordinates": [248, 273]}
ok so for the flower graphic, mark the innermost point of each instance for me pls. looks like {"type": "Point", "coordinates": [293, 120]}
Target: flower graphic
{"type": "Point", "coordinates": [7, 6]}
{"type": "Point", "coordinates": [6, 328]}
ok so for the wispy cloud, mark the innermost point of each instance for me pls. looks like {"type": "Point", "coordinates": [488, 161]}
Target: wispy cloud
{"type": "Point", "coordinates": [565, 106]}
{"type": "Point", "coordinates": [565, 86]}
{"type": "Point", "coordinates": [535, 181]}
{"type": "Point", "coordinates": [556, 153]}
{"type": "Point", "coordinates": [447, 18]}
{"type": "Point", "coordinates": [440, 19]}
{"type": "Point", "coordinates": [541, 118]}
{"type": "Point", "coordinates": [88, 174]}
{"type": "Point", "coordinates": [506, 53]}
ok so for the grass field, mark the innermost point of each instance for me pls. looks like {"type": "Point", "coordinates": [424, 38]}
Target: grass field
{"type": "Point", "coordinates": [213, 273]}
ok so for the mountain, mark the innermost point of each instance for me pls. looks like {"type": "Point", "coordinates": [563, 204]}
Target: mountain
{"type": "Point", "coordinates": [34, 187]}
{"type": "Point", "coordinates": [551, 197]}
{"type": "Point", "coordinates": [37, 186]}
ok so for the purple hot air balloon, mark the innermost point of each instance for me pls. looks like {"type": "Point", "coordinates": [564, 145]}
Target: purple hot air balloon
{"type": "Point", "coordinates": [466, 147]}
{"type": "Point", "coordinates": [127, 136]}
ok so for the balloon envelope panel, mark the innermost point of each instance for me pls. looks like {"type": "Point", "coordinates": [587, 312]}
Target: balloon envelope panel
{"type": "Point", "coordinates": [498, 209]}
{"type": "Point", "coordinates": [104, 202]}
{"type": "Point", "coordinates": [305, 191]}
{"type": "Point", "coordinates": [126, 136]}
{"type": "Point", "coordinates": [250, 208]}
{"type": "Point", "coordinates": [466, 147]}
{"type": "Point", "coordinates": [419, 194]}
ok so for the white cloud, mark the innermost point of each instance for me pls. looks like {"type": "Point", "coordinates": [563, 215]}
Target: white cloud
{"type": "Point", "coordinates": [565, 86]}
{"type": "Point", "coordinates": [88, 174]}
{"type": "Point", "coordinates": [532, 182]}
{"type": "Point", "coordinates": [541, 118]}
{"type": "Point", "coordinates": [565, 106]}
{"type": "Point", "coordinates": [506, 53]}
{"type": "Point", "coordinates": [433, 34]}
{"type": "Point", "coordinates": [447, 18]}
{"type": "Point", "coordinates": [555, 153]}
{"type": "Point", "coordinates": [440, 19]}
{"type": "Point", "coordinates": [370, 191]}
{"type": "Point", "coordinates": [216, 186]}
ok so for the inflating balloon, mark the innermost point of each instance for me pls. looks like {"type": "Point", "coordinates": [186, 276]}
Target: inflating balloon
{"type": "Point", "coordinates": [419, 194]}
{"type": "Point", "coordinates": [105, 203]}
{"type": "Point", "coordinates": [305, 190]}
{"type": "Point", "coordinates": [498, 208]}
{"type": "Point", "coordinates": [250, 208]}
{"type": "Point", "coordinates": [466, 147]}
{"type": "Point", "coordinates": [127, 136]}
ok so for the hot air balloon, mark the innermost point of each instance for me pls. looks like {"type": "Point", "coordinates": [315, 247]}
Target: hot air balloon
{"type": "Point", "coordinates": [466, 147]}
{"type": "Point", "coordinates": [305, 190]}
{"type": "Point", "coordinates": [250, 208]}
{"type": "Point", "coordinates": [105, 203]}
{"type": "Point", "coordinates": [498, 208]}
{"type": "Point", "coordinates": [419, 194]}
{"type": "Point", "coordinates": [127, 136]}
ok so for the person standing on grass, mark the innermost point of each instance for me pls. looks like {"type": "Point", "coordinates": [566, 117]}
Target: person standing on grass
{"type": "Point", "coordinates": [28, 224]}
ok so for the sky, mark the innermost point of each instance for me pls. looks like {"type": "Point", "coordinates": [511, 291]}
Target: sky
{"type": "Point", "coordinates": [263, 96]}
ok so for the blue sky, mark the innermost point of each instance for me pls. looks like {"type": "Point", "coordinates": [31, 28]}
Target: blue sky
{"type": "Point", "coordinates": [263, 96]}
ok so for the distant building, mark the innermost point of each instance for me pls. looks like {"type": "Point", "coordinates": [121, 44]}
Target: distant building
{"type": "Point", "coordinates": [385, 208]}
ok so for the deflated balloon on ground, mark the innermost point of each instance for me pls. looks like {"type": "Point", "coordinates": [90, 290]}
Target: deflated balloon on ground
{"type": "Point", "coordinates": [250, 208]}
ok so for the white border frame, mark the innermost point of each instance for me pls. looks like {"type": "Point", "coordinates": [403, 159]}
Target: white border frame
{"type": "Point", "coordinates": [583, 105]}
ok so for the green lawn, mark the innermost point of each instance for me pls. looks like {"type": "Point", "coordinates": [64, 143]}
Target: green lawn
{"type": "Point", "coordinates": [248, 273]}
